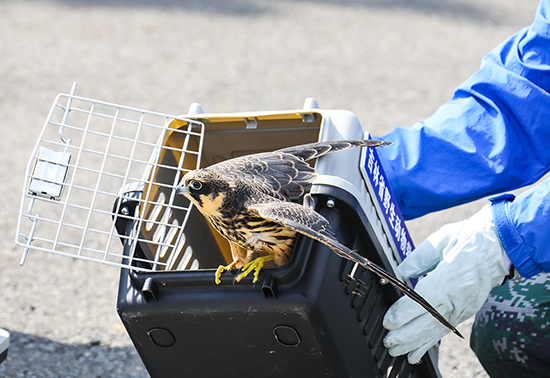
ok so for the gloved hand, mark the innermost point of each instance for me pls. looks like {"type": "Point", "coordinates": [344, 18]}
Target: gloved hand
{"type": "Point", "coordinates": [466, 261]}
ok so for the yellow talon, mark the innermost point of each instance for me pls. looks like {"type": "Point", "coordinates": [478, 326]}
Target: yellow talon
{"type": "Point", "coordinates": [220, 270]}
{"type": "Point", "coordinates": [254, 265]}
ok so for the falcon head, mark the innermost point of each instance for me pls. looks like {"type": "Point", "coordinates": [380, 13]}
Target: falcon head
{"type": "Point", "coordinates": [206, 189]}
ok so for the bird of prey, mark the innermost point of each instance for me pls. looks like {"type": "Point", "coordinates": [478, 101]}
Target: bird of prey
{"type": "Point", "coordinates": [248, 201]}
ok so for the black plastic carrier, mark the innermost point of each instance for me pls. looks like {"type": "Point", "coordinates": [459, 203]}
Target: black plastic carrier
{"type": "Point", "coordinates": [318, 316]}
{"type": "Point", "coordinates": [101, 172]}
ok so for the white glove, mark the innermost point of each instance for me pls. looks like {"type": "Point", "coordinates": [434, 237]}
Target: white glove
{"type": "Point", "coordinates": [466, 261]}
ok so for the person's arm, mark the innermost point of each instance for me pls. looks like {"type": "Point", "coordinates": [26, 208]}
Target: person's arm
{"type": "Point", "coordinates": [523, 225]}
{"type": "Point", "coordinates": [492, 135]}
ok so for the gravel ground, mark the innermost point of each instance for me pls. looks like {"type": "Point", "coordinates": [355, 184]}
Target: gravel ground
{"type": "Point", "coordinates": [391, 62]}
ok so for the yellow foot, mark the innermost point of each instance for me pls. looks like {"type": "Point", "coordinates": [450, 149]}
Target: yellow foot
{"type": "Point", "coordinates": [254, 265]}
{"type": "Point", "coordinates": [220, 270]}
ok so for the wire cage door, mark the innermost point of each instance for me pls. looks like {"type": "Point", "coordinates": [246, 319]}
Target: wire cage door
{"type": "Point", "coordinates": [93, 157]}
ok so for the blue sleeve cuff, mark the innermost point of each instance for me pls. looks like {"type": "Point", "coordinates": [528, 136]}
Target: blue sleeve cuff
{"type": "Point", "coordinates": [511, 240]}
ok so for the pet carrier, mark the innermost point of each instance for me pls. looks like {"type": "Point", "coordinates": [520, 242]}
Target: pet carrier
{"type": "Point", "coordinates": [101, 186]}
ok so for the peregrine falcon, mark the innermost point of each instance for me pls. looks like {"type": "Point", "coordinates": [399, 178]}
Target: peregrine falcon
{"type": "Point", "coordinates": [248, 201]}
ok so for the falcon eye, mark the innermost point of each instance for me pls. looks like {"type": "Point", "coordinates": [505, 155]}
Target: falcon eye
{"type": "Point", "coordinates": [195, 185]}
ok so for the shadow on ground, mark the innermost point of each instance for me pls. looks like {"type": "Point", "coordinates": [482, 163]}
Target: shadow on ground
{"type": "Point", "coordinates": [455, 8]}
{"type": "Point", "coordinates": [33, 356]}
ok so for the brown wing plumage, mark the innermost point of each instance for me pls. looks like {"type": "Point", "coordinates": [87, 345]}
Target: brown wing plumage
{"type": "Point", "coordinates": [315, 226]}
{"type": "Point", "coordinates": [285, 171]}
{"type": "Point", "coordinates": [247, 200]}
{"type": "Point", "coordinates": [314, 150]}
{"type": "Point", "coordinates": [284, 175]}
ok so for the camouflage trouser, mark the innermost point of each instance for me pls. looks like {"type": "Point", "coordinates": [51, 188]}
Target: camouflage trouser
{"type": "Point", "coordinates": [511, 333]}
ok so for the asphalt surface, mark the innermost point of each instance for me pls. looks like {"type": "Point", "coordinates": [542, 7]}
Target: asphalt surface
{"type": "Point", "coordinates": [390, 62]}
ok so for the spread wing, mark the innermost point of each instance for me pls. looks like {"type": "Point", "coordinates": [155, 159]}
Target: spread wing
{"type": "Point", "coordinates": [285, 172]}
{"type": "Point", "coordinates": [315, 226]}
{"type": "Point", "coordinates": [285, 175]}
{"type": "Point", "coordinates": [315, 150]}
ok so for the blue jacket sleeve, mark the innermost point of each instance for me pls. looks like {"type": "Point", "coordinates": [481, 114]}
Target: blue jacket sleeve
{"type": "Point", "coordinates": [491, 136]}
{"type": "Point", "coordinates": [523, 227]}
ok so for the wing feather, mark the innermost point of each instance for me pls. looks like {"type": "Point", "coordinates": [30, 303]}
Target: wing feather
{"type": "Point", "coordinates": [315, 150]}
{"type": "Point", "coordinates": [315, 226]}
{"type": "Point", "coordinates": [285, 171]}
{"type": "Point", "coordinates": [282, 173]}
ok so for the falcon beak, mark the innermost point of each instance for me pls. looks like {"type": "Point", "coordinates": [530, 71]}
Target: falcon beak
{"type": "Point", "coordinates": [182, 190]}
